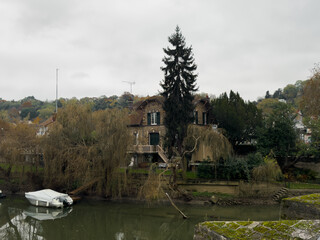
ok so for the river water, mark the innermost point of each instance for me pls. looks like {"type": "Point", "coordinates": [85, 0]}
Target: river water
{"type": "Point", "coordinates": [92, 219]}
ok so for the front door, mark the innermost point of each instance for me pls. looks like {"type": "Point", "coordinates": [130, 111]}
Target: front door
{"type": "Point", "coordinates": [154, 138]}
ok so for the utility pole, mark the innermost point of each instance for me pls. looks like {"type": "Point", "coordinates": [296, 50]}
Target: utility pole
{"type": "Point", "coordinates": [57, 70]}
{"type": "Point", "coordinates": [131, 83]}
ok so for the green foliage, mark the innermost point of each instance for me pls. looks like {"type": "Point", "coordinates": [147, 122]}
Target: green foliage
{"type": "Point", "coordinates": [238, 118]}
{"type": "Point", "coordinates": [301, 185]}
{"type": "Point", "coordinates": [205, 170]}
{"type": "Point", "coordinates": [267, 105]}
{"type": "Point", "coordinates": [191, 175]}
{"type": "Point", "coordinates": [126, 100]}
{"type": "Point", "coordinates": [300, 174]}
{"type": "Point", "coordinates": [202, 194]}
{"type": "Point", "coordinates": [178, 86]}
{"type": "Point", "coordinates": [30, 112]}
{"type": "Point", "coordinates": [312, 148]}
{"type": "Point", "coordinates": [290, 93]}
{"type": "Point", "coordinates": [278, 134]}
{"type": "Point", "coordinates": [234, 168]}
{"type": "Point", "coordinates": [46, 111]}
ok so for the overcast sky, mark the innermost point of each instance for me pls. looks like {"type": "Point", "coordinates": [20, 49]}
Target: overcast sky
{"type": "Point", "coordinates": [248, 46]}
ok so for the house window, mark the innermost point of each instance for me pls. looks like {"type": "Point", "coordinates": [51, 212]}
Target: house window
{"type": "Point", "coordinates": [204, 117]}
{"type": "Point", "coordinates": [154, 118]}
{"type": "Point", "coordinates": [136, 135]}
{"type": "Point", "coordinates": [195, 117]}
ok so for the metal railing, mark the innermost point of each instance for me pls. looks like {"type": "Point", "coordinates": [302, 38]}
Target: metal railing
{"type": "Point", "coordinates": [143, 148]}
{"type": "Point", "coordinates": [140, 149]}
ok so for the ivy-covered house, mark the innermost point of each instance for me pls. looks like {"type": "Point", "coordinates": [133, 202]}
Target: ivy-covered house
{"type": "Point", "coordinates": [147, 128]}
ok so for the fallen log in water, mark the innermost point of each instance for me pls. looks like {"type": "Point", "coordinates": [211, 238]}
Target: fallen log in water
{"type": "Point", "coordinates": [84, 187]}
{"type": "Point", "coordinates": [172, 203]}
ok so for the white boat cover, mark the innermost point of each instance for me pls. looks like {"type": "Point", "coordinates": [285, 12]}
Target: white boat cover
{"type": "Point", "coordinates": [46, 195]}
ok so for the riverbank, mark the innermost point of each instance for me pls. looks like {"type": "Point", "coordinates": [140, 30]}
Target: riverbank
{"type": "Point", "coordinates": [220, 193]}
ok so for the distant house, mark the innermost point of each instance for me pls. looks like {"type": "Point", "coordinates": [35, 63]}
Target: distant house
{"type": "Point", "coordinates": [147, 128]}
{"type": "Point", "coordinates": [303, 131]}
{"type": "Point", "coordinates": [44, 126]}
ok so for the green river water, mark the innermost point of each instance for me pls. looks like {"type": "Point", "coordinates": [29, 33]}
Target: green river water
{"type": "Point", "coordinates": [92, 219]}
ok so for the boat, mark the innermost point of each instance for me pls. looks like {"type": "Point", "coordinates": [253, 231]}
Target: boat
{"type": "Point", "coordinates": [2, 195]}
{"type": "Point", "coordinates": [49, 198]}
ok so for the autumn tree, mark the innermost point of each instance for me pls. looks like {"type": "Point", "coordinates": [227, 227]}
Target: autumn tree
{"type": "Point", "coordinates": [18, 147]}
{"type": "Point", "coordinates": [178, 86]}
{"type": "Point", "coordinates": [84, 146]}
{"type": "Point", "coordinates": [310, 107]}
{"type": "Point", "coordinates": [310, 102]}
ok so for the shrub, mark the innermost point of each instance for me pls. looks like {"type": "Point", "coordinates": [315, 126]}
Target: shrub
{"type": "Point", "coordinates": [268, 171]}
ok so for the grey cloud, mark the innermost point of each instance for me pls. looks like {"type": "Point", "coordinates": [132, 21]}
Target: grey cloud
{"type": "Point", "coordinates": [248, 46]}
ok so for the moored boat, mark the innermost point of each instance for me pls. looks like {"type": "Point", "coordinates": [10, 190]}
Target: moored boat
{"type": "Point", "coordinates": [2, 195]}
{"type": "Point", "coordinates": [49, 198]}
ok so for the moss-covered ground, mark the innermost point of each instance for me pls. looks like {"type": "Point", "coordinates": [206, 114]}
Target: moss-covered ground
{"type": "Point", "coordinates": [286, 229]}
{"type": "Point", "coordinates": [312, 199]}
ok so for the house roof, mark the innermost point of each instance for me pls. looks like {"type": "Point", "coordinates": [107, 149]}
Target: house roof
{"type": "Point", "coordinates": [204, 100]}
{"type": "Point", "coordinates": [50, 120]}
{"type": "Point", "coordinates": [140, 104]}
{"type": "Point", "coordinates": [135, 118]}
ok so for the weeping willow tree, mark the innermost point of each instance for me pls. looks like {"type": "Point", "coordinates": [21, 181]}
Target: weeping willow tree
{"type": "Point", "coordinates": [84, 146]}
{"type": "Point", "coordinates": [17, 141]}
{"type": "Point", "coordinates": [152, 189]}
{"type": "Point", "coordinates": [268, 171]}
{"type": "Point", "coordinates": [19, 155]}
{"type": "Point", "coordinates": [209, 145]}
{"type": "Point", "coordinates": [214, 144]}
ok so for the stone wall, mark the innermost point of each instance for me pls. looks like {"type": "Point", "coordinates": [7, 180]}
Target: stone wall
{"type": "Point", "coordinates": [286, 229]}
{"type": "Point", "coordinates": [143, 134]}
{"type": "Point", "coordinates": [153, 107]}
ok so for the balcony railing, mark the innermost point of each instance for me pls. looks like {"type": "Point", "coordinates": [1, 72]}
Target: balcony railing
{"type": "Point", "coordinates": [143, 148]}
{"type": "Point", "coordinates": [140, 149]}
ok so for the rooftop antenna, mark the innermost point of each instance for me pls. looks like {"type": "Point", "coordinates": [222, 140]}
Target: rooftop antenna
{"type": "Point", "coordinates": [57, 70]}
{"type": "Point", "coordinates": [131, 83]}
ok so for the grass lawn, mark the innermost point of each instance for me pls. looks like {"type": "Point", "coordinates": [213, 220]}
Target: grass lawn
{"type": "Point", "coordinates": [17, 168]}
{"type": "Point", "coordinates": [301, 185]}
{"type": "Point", "coordinates": [209, 194]}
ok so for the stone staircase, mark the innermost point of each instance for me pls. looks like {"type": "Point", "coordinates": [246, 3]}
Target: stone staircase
{"type": "Point", "coordinates": [283, 192]}
{"type": "Point", "coordinates": [162, 154]}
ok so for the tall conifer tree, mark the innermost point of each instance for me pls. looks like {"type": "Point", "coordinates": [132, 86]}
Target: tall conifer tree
{"type": "Point", "coordinates": [178, 85]}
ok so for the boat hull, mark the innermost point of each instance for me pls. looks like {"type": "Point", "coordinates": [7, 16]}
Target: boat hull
{"type": "Point", "coordinates": [48, 198]}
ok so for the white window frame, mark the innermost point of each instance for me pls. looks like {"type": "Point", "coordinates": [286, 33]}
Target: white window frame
{"type": "Point", "coordinates": [204, 118]}
{"type": "Point", "coordinates": [153, 117]}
